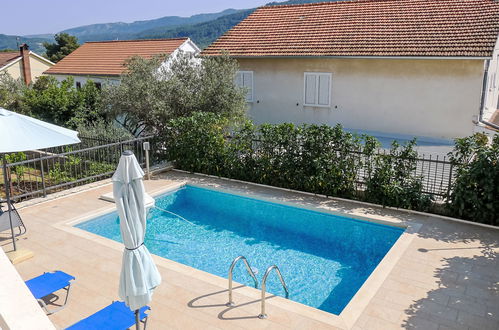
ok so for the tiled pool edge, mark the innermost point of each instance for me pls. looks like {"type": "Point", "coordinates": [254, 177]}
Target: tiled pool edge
{"type": "Point", "coordinates": [368, 290]}
{"type": "Point", "coordinates": [345, 320]}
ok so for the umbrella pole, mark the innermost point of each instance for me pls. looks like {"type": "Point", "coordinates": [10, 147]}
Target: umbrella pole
{"type": "Point", "coordinates": [137, 321]}
{"type": "Point", "coordinates": [7, 195]}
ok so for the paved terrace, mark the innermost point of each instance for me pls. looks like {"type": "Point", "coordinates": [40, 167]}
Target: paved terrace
{"type": "Point", "coordinates": [447, 277]}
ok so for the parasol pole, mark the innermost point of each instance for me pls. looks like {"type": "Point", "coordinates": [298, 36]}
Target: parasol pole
{"type": "Point", "coordinates": [7, 195]}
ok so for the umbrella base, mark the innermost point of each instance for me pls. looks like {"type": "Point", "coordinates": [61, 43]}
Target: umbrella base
{"type": "Point", "coordinates": [19, 255]}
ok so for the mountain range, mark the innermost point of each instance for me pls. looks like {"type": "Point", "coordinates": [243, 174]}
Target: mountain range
{"type": "Point", "coordinates": [203, 29]}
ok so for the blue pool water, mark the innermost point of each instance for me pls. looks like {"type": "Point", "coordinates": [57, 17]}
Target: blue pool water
{"type": "Point", "coordinates": [324, 258]}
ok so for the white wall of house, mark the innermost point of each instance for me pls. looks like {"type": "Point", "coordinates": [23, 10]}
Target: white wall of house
{"type": "Point", "coordinates": [491, 101]}
{"type": "Point", "coordinates": [189, 47]}
{"type": "Point", "coordinates": [436, 98]}
{"type": "Point", "coordinates": [18, 307]}
{"type": "Point", "coordinates": [37, 66]}
{"type": "Point", "coordinates": [82, 80]}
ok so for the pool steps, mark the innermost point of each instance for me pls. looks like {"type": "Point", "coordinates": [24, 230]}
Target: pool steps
{"type": "Point", "coordinates": [250, 271]}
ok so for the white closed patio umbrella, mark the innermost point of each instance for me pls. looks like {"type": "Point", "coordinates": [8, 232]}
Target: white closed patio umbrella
{"type": "Point", "coordinates": [139, 275]}
{"type": "Point", "coordinates": [22, 133]}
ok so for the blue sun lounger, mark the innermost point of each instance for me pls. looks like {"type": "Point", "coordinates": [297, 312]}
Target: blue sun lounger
{"type": "Point", "coordinates": [48, 283]}
{"type": "Point", "coordinates": [116, 316]}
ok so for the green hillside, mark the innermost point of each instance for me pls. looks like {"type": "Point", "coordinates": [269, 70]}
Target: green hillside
{"type": "Point", "coordinates": [11, 42]}
{"type": "Point", "coordinates": [202, 34]}
{"type": "Point", "coordinates": [123, 31]}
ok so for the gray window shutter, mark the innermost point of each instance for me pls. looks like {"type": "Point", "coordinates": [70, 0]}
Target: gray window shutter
{"type": "Point", "coordinates": [248, 84]}
{"type": "Point", "coordinates": [310, 89]}
{"type": "Point", "coordinates": [239, 79]}
{"type": "Point", "coordinates": [324, 88]}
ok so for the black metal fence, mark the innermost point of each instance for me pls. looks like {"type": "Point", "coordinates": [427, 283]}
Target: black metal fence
{"type": "Point", "coordinates": [39, 172]}
{"type": "Point", "coordinates": [436, 172]}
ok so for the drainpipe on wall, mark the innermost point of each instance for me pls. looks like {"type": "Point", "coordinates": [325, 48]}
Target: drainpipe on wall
{"type": "Point", "coordinates": [482, 100]}
{"type": "Point", "coordinates": [26, 63]}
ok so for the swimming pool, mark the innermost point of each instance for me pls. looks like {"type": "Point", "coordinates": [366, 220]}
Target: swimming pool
{"type": "Point", "coordinates": [324, 258]}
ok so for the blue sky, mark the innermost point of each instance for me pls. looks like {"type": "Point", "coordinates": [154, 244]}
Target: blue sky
{"type": "Point", "coordinates": [51, 16]}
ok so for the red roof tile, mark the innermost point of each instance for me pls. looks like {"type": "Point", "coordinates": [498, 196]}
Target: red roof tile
{"type": "Point", "coordinates": [457, 28]}
{"type": "Point", "coordinates": [7, 57]}
{"type": "Point", "coordinates": [107, 58]}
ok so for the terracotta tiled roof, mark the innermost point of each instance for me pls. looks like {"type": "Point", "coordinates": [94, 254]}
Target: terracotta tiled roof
{"type": "Point", "coordinates": [107, 58]}
{"type": "Point", "coordinates": [458, 28]}
{"type": "Point", "coordinates": [7, 57]}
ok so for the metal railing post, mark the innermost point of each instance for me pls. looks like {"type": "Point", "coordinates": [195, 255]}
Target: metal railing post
{"type": "Point", "coordinates": [44, 188]}
{"type": "Point", "coordinates": [146, 147]}
{"type": "Point", "coordinates": [7, 197]}
{"type": "Point", "coordinates": [449, 183]}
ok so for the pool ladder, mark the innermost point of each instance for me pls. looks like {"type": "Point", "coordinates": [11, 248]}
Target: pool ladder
{"type": "Point", "coordinates": [262, 314]}
{"type": "Point", "coordinates": [250, 271]}
{"type": "Point", "coordinates": [231, 270]}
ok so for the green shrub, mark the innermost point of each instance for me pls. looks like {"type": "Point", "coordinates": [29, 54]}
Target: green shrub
{"type": "Point", "coordinates": [60, 174]}
{"type": "Point", "coordinates": [197, 143]}
{"type": "Point", "coordinates": [19, 170]}
{"type": "Point", "coordinates": [98, 168]}
{"type": "Point", "coordinates": [475, 191]}
{"type": "Point", "coordinates": [49, 100]}
{"type": "Point", "coordinates": [392, 180]}
{"type": "Point", "coordinates": [319, 159]}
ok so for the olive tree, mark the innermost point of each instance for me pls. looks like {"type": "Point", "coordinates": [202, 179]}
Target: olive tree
{"type": "Point", "coordinates": [11, 92]}
{"type": "Point", "coordinates": [154, 91]}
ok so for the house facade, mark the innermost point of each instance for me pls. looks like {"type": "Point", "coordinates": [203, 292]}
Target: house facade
{"type": "Point", "coordinates": [395, 67]}
{"type": "Point", "coordinates": [104, 61]}
{"type": "Point", "coordinates": [24, 64]}
{"type": "Point", "coordinates": [490, 106]}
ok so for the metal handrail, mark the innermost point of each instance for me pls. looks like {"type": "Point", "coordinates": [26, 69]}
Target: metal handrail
{"type": "Point", "coordinates": [231, 269]}
{"type": "Point", "coordinates": [68, 153]}
{"type": "Point", "coordinates": [264, 286]}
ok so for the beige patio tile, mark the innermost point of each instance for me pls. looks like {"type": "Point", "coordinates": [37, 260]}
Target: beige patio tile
{"type": "Point", "coordinates": [447, 278]}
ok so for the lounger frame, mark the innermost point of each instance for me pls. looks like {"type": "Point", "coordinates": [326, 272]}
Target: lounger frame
{"type": "Point", "coordinates": [16, 218]}
{"type": "Point", "coordinates": [50, 311]}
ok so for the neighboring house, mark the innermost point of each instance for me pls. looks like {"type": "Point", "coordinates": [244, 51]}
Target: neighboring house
{"type": "Point", "coordinates": [399, 67]}
{"type": "Point", "coordinates": [104, 61]}
{"type": "Point", "coordinates": [23, 64]}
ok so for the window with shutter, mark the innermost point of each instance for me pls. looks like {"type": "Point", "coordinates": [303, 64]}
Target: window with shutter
{"type": "Point", "coordinates": [317, 91]}
{"type": "Point", "coordinates": [245, 79]}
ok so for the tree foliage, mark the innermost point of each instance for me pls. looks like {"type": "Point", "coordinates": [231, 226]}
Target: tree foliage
{"type": "Point", "coordinates": [49, 100]}
{"type": "Point", "coordinates": [64, 45]}
{"type": "Point", "coordinates": [11, 91]}
{"type": "Point", "coordinates": [62, 104]}
{"type": "Point", "coordinates": [475, 191]}
{"type": "Point", "coordinates": [104, 130]}
{"type": "Point", "coordinates": [151, 92]}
